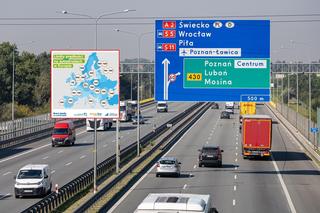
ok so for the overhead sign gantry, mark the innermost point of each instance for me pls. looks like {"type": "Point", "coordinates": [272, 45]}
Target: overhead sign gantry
{"type": "Point", "coordinates": [212, 60]}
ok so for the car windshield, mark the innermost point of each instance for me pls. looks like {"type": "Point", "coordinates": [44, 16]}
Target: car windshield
{"type": "Point", "coordinates": [170, 162]}
{"type": "Point", "coordinates": [162, 105]}
{"type": "Point", "coordinates": [27, 174]}
{"type": "Point", "coordinates": [210, 150]}
{"type": "Point", "coordinates": [60, 131]}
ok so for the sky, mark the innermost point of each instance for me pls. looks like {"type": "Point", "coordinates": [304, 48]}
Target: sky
{"type": "Point", "coordinates": [41, 21]}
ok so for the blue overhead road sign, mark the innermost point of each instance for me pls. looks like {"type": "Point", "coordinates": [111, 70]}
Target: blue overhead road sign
{"type": "Point", "coordinates": [212, 60]}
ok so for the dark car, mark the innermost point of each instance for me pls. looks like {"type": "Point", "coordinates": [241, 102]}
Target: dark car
{"type": "Point", "coordinates": [135, 119]}
{"type": "Point", "coordinates": [225, 115]}
{"type": "Point", "coordinates": [215, 106]}
{"type": "Point", "coordinates": [210, 155]}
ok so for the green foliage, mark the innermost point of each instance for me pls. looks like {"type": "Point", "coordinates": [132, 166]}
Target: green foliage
{"type": "Point", "coordinates": [32, 81]}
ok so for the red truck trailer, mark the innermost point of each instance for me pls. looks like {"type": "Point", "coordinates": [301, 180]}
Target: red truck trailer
{"type": "Point", "coordinates": [256, 135]}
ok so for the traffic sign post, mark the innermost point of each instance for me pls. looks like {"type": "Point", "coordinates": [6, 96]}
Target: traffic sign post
{"type": "Point", "coordinates": [207, 60]}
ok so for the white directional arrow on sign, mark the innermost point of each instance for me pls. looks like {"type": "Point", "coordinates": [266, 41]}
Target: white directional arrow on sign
{"type": "Point", "coordinates": [165, 63]}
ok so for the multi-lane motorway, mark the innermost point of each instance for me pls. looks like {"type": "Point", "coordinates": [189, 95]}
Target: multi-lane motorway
{"type": "Point", "coordinates": [69, 162]}
{"type": "Point", "coordinates": [288, 182]}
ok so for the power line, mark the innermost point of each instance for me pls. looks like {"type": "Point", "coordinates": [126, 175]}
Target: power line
{"type": "Point", "coordinates": [166, 17]}
{"type": "Point", "coordinates": [131, 23]}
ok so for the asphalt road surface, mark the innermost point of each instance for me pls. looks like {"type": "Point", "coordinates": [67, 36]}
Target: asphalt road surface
{"type": "Point", "coordinates": [288, 182]}
{"type": "Point", "coordinates": [66, 163]}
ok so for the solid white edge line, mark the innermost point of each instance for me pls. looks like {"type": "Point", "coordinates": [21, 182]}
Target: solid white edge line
{"type": "Point", "coordinates": [32, 150]}
{"type": "Point", "coordinates": [143, 177]}
{"type": "Point", "coordinates": [284, 187]}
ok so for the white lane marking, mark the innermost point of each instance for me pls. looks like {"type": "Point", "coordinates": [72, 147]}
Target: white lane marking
{"type": "Point", "coordinates": [236, 147]}
{"type": "Point", "coordinates": [234, 188]}
{"type": "Point", "coordinates": [83, 156]}
{"type": "Point", "coordinates": [235, 177]}
{"type": "Point", "coordinates": [195, 166]}
{"type": "Point", "coordinates": [145, 175]}
{"type": "Point", "coordinates": [113, 141]}
{"type": "Point", "coordinates": [209, 138]}
{"type": "Point", "coordinates": [4, 196]}
{"type": "Point", "coordinates": [27, 152]}
{"type": "Point", "coordinates": [6, 173]}
{"type": "Point", "coordinates": [236, 138]}
{"type": "Point", "coordinates": [60, 151]}
{"type": "Point", "coordinates": [46, 157]}
{"type": "Point", "coordinates": [284, 187]}
{"type": "Point", "coordinates": [235, 168]}
{"type": "Point", "coordinates": [190, 175]}
{"type": "Point", "coordinates": [184, 186]}
{"type": "Point", "coordinates": [207, 142]}
{"type": "Point", "coordinates": [32, 150]}
{"type": "Point", "coordinates": [236, 153]}
{"type": "Point", "coordinates": [237, 143]}
{"type": "Point", "coordinates": [68, 164]}
{"type": "Point", "coordinates": [236, 160]}
{"type": "Point", "coordinates": [53, 171]}
{"type": "Point", "coordinates": [128, 133]}
{"type": "Point", "coordinates": [105, 145]}
{"type": "Point", "coordinates": [233, 202]}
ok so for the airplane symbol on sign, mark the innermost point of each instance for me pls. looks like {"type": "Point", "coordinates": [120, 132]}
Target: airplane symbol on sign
{"type": "Point", "coordinates": [184, 52]}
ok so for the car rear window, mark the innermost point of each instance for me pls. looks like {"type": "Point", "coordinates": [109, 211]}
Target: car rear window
{"type": "Point", "coordinates": [167, 162]}
{"type": "Point", "coordinates": [210, 150]}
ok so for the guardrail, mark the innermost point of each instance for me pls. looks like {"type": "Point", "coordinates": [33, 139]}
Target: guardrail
{"type": "Point", "coordinates": [104, 169]}
{"type": "Point", "coordinates": [190, 121]}
{"type": "Point", "coordinates": [43, 128]}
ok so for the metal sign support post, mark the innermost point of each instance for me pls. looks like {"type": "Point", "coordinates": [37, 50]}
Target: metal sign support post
{"type": "Point", "coordinates": [95, 157]}
{"type": "Point", "coordinates": [117, 148]}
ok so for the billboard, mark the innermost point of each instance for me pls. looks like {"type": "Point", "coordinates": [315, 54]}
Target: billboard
{"type": "Point", "coordinates": [85, 83]}
{"type": "Point", "coordinates": [212, 60]}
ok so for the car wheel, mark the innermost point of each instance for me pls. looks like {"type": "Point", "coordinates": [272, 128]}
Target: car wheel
{"type": "Point", "coordinates": [178, 174]}
{"type": "Point", "coordinates": [52, 145]}
{"type": "Point", "coordinates": [220, 164]}
{"type": "Point", "coordinates": [157, 175]}
{"type": "Point", "coordinates": [200, 164]}
{"type": "Point", "coordinates": [16, 196]}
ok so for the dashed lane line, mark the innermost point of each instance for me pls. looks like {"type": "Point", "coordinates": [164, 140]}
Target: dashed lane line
{"type": "Point", "coordinates": [83, 156]}
{"type": "Point", "coordinates": [68, 164]}
{"type": "Point", "coordinates": [147, 173]}
{"type": "Point", "coordinates": [32, 150]}
{"type": "Point", "coordinates": [5, 174]}
{"type": "Point", "coordinates": [46, 157]}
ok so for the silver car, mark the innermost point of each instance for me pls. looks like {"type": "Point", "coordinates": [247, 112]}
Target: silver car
{"type": "Point", "coordinates": [168, 166]}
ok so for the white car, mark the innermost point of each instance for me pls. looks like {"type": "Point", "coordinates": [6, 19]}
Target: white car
{"type": "Point", "coordinates": [176, 202]}
{"type": "Point", "coordinates": [168, 166]}
{"type": "Point", "coordinates": [33, 180]}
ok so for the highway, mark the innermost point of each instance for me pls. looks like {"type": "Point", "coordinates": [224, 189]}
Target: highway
{"type": "Point", "coordinates": [248, 186]}
{"type": "Point", "coordinates": [67, 162]}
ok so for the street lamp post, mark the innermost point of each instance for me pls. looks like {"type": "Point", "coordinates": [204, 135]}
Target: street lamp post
{"type": "Point", "coordinates": [95, 158]}
{"type": "Point", "coordinates": [139, 36]}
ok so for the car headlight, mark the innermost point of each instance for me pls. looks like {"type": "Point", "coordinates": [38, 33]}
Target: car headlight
{"type": "Point", "coordinates": [39, 183]}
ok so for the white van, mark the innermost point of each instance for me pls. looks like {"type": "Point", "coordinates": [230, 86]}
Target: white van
{"type": "Point", "coordinates": [162, 106]}
{"type": "Point", "coordinates": [33, 180]}
{"type": "Point", "coordinates": [175, 202]}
